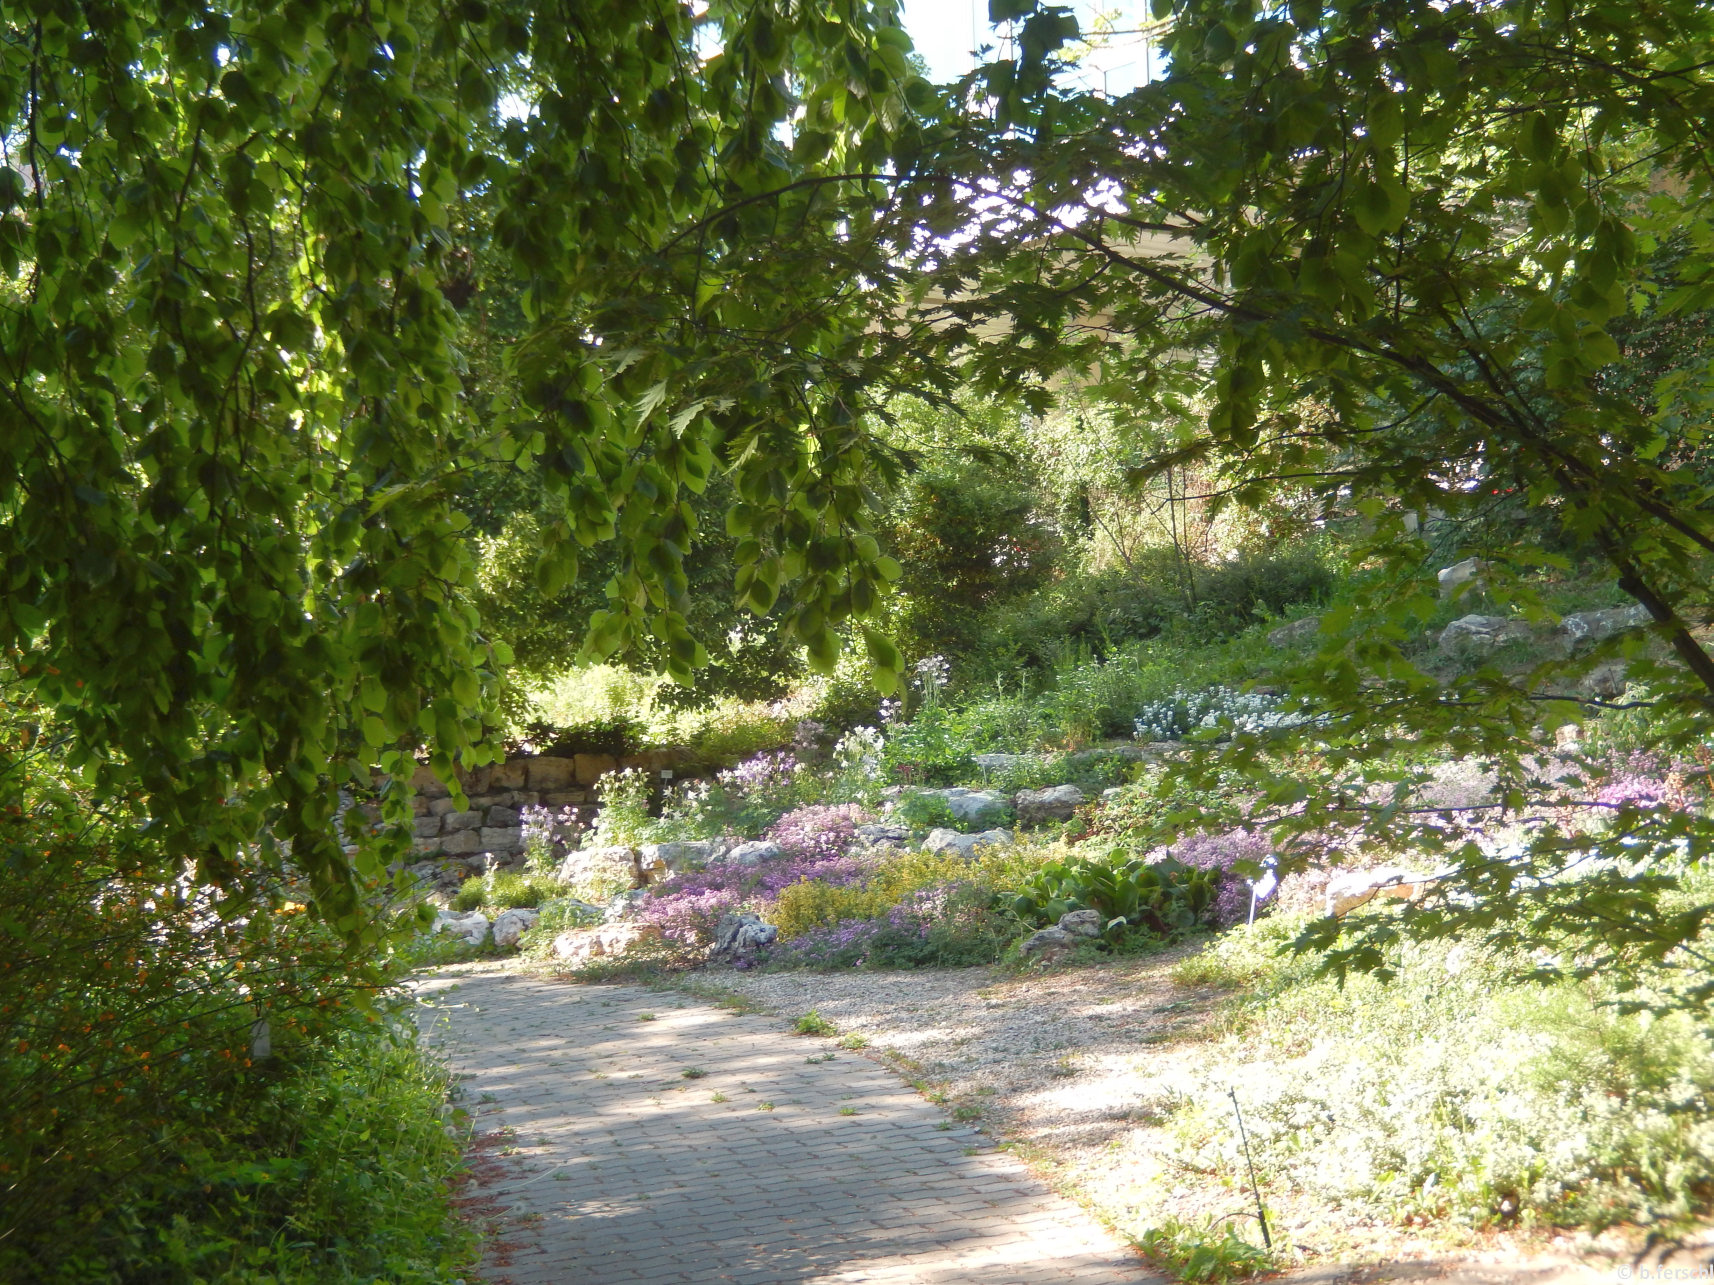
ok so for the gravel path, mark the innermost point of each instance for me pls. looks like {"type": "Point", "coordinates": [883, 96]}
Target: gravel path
{"type": "Point", "coordinates": [778, 1159]}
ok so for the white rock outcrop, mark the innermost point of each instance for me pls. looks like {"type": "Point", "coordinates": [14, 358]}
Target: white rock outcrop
{"type": "Point", "coordinates": [472, 925]}
{"type": "Point", "coordinates": [964, 845]}
{"type": "Point", "coordinates": [1459, 574]}
{"type": "Point", "coordinates": [1055, 803]}
{"type": "Point", "coordinates": [742, 935]}
{"type": "Point", "coordinates": [509, 925]}
{"type": "Point", "coordinates": [1481, 633]}
{"type": "Point", "coordinates": [610, 866]}
{"type": "Point", "coordinates": [754, 852]}
{"type": "Point", "coordinates": [1593, 626]}
{"type": "Point", "coordinates": [1082, 923]}
{"type": "Point", "coordinates": [1354, 888]}
{"type": "Point", "coordinates": [583, 945]}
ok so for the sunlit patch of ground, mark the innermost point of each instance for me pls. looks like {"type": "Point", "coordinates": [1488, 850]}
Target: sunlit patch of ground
{"type": "Point", "coordinates": [1078, 1069]}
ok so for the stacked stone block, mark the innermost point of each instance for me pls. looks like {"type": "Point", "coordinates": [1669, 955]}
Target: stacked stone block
{"type": "Point", "coordinates": [453, 842]}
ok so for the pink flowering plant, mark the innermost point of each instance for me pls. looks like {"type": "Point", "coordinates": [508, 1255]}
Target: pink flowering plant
{"type": "Point", "coordinates": [819, 832]}
{"type": "Point", "coordinates": [757, 792]}
{"type": "Point", "coordinates": [550, 833]}
{"type": "Point", "coordinates": [1238, 858]}
{"type": "Point", "coordinates": [813, 845]}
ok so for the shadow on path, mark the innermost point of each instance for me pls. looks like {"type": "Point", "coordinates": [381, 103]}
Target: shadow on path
{"type": "Point", "coordinates": [779, 1159]}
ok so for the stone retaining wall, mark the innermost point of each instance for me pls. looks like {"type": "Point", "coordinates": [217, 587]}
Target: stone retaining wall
{"type": "Point", "coordinates": [453, 842]}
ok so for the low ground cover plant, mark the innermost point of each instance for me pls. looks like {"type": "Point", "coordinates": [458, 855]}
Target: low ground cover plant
{"type": "Point", "coordinates": [1452, 1092]}
{"type": "Point", "coordinates": [504, 890]}
{"type": "Point", "coordinates": [1165, 898]}
{"type": "Point", "coordinates": [1203, 1254]}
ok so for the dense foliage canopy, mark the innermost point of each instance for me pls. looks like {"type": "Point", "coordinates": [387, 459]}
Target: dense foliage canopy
{"type": "Point", "coordinates": [235, 575]}
{"type": "Point", "coordinates": [1380, 253]}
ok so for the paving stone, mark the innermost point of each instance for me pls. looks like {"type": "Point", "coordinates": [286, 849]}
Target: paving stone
{"type": "Point", "coordinates": [665, 1185]}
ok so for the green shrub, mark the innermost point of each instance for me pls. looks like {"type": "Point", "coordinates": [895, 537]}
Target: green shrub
{"type": "Point", "coordinates": [506, 890]}
{"type": "Point", "coordinates": [561, 914]}
{"type": "Point", "coordinates": [1166, 898]}
{"type": "Point", "coordinates": [624, 817]}
{"type": "Point", "coordinates": [926, 812]}
{"type": "Point", "coordinates": [359, 1143]}
{"type": "Point", "coordinates": [1453, 1091]}
{"type": "Point", "coordinates": [1098, 614]}
{"type": "Point", "coordinates": [147, 1136]}
{"type": "Point", "coordinates": [934, 748]}
{"type": "Point", "coordinates": [812, 903]}
{"type": "Point", "coordinates": [616, 735]}
{"type": "Point", "coordinates": [969, 538]}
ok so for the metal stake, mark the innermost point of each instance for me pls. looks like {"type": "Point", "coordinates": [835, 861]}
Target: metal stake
{"type": "Point", "coordinates": [1261, 1214]}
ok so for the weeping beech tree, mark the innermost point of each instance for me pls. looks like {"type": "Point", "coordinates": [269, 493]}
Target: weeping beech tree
{"type": "Point", "coordinates": [234, 576]}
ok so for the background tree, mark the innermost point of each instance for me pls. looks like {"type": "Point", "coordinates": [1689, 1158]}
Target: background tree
{"type": "Point", "coordinates": [1386, 246]}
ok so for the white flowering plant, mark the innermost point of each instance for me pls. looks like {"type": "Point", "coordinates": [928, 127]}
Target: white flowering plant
{"type": "Point", "coordinates": [1212, 709]}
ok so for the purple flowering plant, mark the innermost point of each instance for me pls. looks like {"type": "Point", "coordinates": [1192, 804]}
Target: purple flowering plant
{"type": "Point", "coordinates": [687, 907]}
{"type": "Point", "coordinates": [946, 925]}
{"type": "Point", "coordinates": [550, 833]}
{"type": "Point", "coordinates": [759, 790]}
{"type": "Point", "coordinates": [822, 831]}
{"type": "Point", "coordinates": [1238, 856]}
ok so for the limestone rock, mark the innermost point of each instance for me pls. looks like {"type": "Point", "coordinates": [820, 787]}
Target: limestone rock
{"type": "Point", "coordinates": [964, 845]}
{"type": "Point", "coordinates": [1353, 888]}
{"type": "Point", "coordinates": [1082, 923]}
{"type": "Point", "coordinates": [611, 866]}
{"type": "Point", "coordinates": [684, 854]}
{"type": "Point", "coordinates": [623, 906]}
{"type": "Point", "coordinates": [591, 767]}
{"type": "Point", "coordinates": [1002, 762]}
{"type": "Point", "coordinates": [1049, 941]}
{"type": "Point", "coordinates": [425, 827]}
{"type": "Point", "coordinates": [1481, 633]}
{"type": "Point", "coordinates": [1459, 574]}
{"type": "Point", "coordinates": [472, 925]}
{"type": "Point", "coordinates": [499, 815]}
{"type": "Point", "coordinates": [584, 945]}
{"type": "Point", "coordinates": [462, 844]}
{"type": "Point", "coordinates": [1056, 803]}
{"type": "Point", "coordinates": [1593, 626]}
{"type": "Point", "coordinates": [510, 925]}
{"type": "Point", "coordinates": [470, 819]}
{"type": "Point", "coordinates": [754, 853]}
{"type": "Point", "coordinates": [1606, 681]}
{"type": "Point", "coordinates": [427, 784]}
{"type": "Point", "coordinates": [1298, 631]}
{"type": "Point", "coordinates": [741, 936]}
{"type": "Point", "coordinates": [651, 867]}
{"type": "Point", "coordinates": [507, 776]}
{"type": "Point", "coordinates": [975, 807]}
{"type": "Point", "coordinates": [878, 834]}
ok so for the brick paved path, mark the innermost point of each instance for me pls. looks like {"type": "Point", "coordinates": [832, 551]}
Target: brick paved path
{"type": "Point", "coordinates": [629, 1173]}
